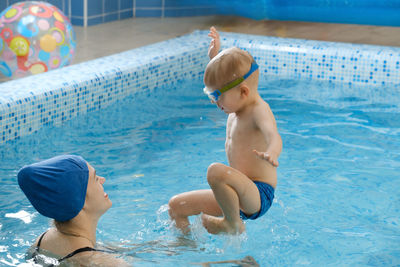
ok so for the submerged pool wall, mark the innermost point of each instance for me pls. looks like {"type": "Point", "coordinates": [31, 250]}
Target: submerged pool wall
{"type": "Point", "coordinates": [28, 104]}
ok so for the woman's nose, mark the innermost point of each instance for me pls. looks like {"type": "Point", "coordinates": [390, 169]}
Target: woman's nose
{"type": "Point", "coordinates": [102, 179]}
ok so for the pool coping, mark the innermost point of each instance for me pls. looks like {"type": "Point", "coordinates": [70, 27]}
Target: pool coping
{"type": "Point", "coordinates": [28, 104]}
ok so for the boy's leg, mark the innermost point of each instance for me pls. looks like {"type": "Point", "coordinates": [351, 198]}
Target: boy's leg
{"type": "Point", "coordinates": [233, 191]}
{"type": "Point", "coordinates": [183, 205]}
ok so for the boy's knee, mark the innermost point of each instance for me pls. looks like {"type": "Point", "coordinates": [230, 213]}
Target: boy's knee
{"type": "Point", "coordinates": [177, 207]}
{"type": "Point", "coordinates": [173, 206]}
{"type": "Point", "coordinates": [217, 172]}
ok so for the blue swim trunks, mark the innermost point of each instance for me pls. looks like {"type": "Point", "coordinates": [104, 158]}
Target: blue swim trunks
{"type": "Point", "coordinates": [266, 196]}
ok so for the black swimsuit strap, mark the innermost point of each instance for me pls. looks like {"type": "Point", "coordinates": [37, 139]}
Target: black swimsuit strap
{"type": "Point", "coordinates": [36, 252]}
{"type": "Point", "coordinates": [79, 250]}
{"type": "Point", "coordinates": [40, 240]}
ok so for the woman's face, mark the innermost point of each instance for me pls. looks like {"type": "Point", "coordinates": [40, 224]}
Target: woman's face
{"type": "Point", "coordinates": [96, 199]}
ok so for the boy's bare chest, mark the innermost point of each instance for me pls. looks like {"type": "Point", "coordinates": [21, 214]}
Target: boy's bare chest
{"type": "Point", "coordinates": [241, 138]}
{"type": "Point", "coordinates": [239, 131]}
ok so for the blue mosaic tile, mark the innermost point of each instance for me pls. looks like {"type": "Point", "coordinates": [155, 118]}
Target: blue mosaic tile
{"type": "Point", "coordinates": [111, 17]}
{"type": "Point", "coordinates": [77, 8]}
{"type": "Point", "coordinates": [95, 21]}
{"type": "Point", "coordinates": [149, 3]}
{"type": "Point", "coordinates": [51, 98]}
{"type": "Point", "coordinates": [111, 6]}
{"type": "Point", "coordinates": [148, 12]}
{"type": "Point", "coordinates": [126, 4]}
{"type": "Point", "coordinates": [189, 11]}
{"type": "Point", "coordinates": [77, 21]}
{"type": "Point", "coordinates": [126, 14]}
{"type": "Point", "coordinates": [94, 7]}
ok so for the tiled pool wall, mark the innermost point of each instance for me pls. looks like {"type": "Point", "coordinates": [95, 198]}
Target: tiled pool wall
{"type": "Point", "coordinates": [28, 104]}
{"type": "Point", "coordinates": [93, 12]}
{"type": "Point", "coordinates": [336, 62]}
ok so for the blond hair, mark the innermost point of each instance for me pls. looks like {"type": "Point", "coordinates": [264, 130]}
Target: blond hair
{"type": "Point", "coordinates": [227, 66]}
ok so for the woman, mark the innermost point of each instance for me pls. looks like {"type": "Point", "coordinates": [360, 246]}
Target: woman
{"type": "Point", "coordinates": [67, 189]}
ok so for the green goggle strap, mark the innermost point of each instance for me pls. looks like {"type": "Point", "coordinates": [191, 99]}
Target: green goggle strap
{"type": "Point", "coordinates": [231, 85]}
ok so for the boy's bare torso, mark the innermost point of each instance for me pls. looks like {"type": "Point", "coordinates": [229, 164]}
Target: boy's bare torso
{"type": "Point", "coordinates": [242, 136]}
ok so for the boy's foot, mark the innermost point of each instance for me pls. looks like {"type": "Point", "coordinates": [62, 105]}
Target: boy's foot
{"type": "Point", "coordinates": [215, 225]}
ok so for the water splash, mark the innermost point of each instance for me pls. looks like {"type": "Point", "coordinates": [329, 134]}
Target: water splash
{"type": "Point", "coordinates": [197, 230]}
{"type": "Point", "coordinates": [22, 215]}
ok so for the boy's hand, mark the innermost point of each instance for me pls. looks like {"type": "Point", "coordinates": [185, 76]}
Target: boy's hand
{"type": "Point", "coordinates": [271, 158]}
{"type": "Point", "coordinates": [215, 43]}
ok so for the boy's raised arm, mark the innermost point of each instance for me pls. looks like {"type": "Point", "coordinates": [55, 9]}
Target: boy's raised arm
{"type": "Point", "coordinates": [215, 43]}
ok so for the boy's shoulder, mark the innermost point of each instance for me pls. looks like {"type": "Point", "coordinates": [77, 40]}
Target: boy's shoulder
{"type": "Point", "coordinates": [260, 105]}
{"type": "Point", "coordinates": [262, 110]}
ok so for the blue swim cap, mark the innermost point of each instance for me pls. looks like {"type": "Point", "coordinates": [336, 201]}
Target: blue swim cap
{"type": "Point", "coordinates": [56, 187]}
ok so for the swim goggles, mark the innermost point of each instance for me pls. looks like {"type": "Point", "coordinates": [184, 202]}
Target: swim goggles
{"type": "Point", "coordinates": [214, 95]}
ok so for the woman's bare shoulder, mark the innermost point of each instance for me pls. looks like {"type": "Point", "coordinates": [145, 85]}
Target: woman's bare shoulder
{"type": "Point", "coordinates": [99, 259]}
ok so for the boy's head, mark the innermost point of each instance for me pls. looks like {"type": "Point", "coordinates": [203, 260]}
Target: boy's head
{"type": "Point", "coordinates": [229, 65]}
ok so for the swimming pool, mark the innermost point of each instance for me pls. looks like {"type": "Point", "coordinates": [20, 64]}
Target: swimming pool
{"type": "Point", "coordinates": [337, 199]}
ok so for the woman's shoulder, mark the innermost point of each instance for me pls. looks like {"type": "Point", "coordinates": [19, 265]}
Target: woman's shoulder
{"type": "Point", "coordinates": [77, 255]}
{"type": "Point", "coordinates": [91, 258]}
{"type": "Point", "coordinates": [42, 257]}
{"type": "Point", "coordinates": [99, 258]}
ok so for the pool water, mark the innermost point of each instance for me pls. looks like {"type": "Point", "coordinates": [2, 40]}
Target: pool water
{"type": "Point", "coordinates": [337, 200]}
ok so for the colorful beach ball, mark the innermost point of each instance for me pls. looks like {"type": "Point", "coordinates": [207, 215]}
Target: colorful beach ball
{"type": "Point", "coordinates": [35, 37]}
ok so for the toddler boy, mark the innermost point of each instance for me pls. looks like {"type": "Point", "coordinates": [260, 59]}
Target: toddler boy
{"type": "Point", "coordinates": [245, 188]}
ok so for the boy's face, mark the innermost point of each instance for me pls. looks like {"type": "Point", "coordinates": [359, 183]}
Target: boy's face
{"type": "Point", "coordinates": [228, 101]}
